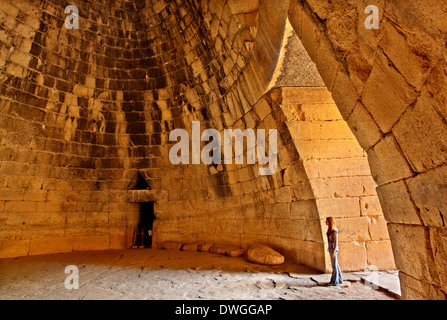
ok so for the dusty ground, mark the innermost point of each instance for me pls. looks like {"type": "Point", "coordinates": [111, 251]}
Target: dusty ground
{"type": "Point", "coordinates": [164, 274]}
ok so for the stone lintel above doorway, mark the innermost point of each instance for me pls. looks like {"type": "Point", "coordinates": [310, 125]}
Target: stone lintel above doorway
{"type": "Point", "coordinates": [140, 196]}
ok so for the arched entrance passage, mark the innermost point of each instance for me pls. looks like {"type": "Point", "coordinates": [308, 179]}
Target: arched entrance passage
{"type": "Point", "coordinates": [340, 178]}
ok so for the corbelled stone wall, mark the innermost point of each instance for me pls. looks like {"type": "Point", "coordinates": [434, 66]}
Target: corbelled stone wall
{"type": "Point", "coordinates": [338, 172]}
{"type": "Point", "coordinates": [82, 111]}
{"type": "Point", "coordinates": [234, 204]}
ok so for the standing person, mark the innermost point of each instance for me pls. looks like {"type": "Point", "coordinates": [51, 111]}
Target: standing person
{"type": "Point", "coordinates": [332, 239]}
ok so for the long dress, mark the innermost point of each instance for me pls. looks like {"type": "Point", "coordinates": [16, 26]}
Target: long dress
{"type": "Point", "coordinates": [337, 278]}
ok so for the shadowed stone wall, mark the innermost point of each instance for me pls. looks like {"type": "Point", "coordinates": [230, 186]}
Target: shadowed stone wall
{"type": "Point", "coordinates": [338, 172]}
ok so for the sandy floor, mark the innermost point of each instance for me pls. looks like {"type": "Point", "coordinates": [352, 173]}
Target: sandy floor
{"type": "Point", "coordinates": [161, 274]}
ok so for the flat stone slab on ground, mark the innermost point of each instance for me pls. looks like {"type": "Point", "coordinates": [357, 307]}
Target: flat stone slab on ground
{"type": "Point", "coordinates": [384, 280]}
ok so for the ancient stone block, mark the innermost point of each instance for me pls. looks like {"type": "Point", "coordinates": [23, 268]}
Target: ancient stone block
{"type": "Point", "coordinates": [343, 187]}
{"type": "Point", "coordinates": [325, 149]}
{"type": "Point", "coordinates": [378, 229]}
{"type": "Point", "coordinates": [338, 207]}
{"type": "Point", "coordinates": [364, 126]}
{"type": "Point", "coordinates": [172, 245]}
{"type": "Point", "coordinates": [264, 255]}
{"type": "Point", "coordinates": [387, 161]}
{"type": "Point", "coordinates": [380, 254]}
{"type": "Point", "coordinates": [94, 242]}
{"type": "Point", "coordinates": [386, 95]}
{"type": "Point", "coordinates": [236, 252]}
{"type": "Point", "coordinates": [422, 128]}
{"type": "Point", "coordinates": [353, 229]}
{"type": "Point", "coordinates": [352, 256]}
{"type": "Point", "coordinates": [411, 257]}
{"type": "Point", "coordinates": [223, 248]}
{"type": "Point", "coordinates": [428, 191]}
{"type": "Point", "coordinates": [317, 95]}
{"type": "Point", "coordinates": [331, 168]}
{"type": "Point", "coordinates": [50, 245]}
{"type": "Point", "coordinates": [398, 207]}
{"type": "Point", "coordinates": [244, 6]}
{"type": "Point", "coordinates": [11, 194]}
{"type": "Point", "coordinates": [344, 94]}
{"type": "Point", "coordinates": [438, 242]}
{"type": "Point", "coordinates": [304, 210]}
{"type": "Point", "coordinates": [118, 241]}
{"type": "Point", "coordinates": [191, 246]}
{"type": "Point", "coordinates": [326, 63]}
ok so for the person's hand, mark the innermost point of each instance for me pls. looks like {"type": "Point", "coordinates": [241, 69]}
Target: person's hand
{"type": "Point", "coordinates": [333, 254]}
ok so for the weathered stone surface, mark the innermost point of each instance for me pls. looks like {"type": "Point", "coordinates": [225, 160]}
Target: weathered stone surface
{"type": "Point", "coordinates": [12, 248]}
{"type": "Point", "coordinates": [370, 206]}
{"type": "Point", "coordinates": [87, 243]}
{"type": "Point", "coordinates": [56, 245]}
{"type": "Point", "coordinates": [386, 95]}
{"type": "Point", "coordinates": [338, 207]}
{"type": "Point", "coordinates": [397, 203]}
{"type": "Point", "coordinates": [223, 248]}
{"type": "Point", "coordinates": [377, 228]}
{"type": "Point", "coordinates": [363, 126]}
{"type": "Point", "coordinates": [352, 256]}
{"type": "Point", "coordinates": [148, 281]}
{"type": "Point", "coordinates": [140, 196]}
{"type": "Point", "coordinates": [172, 245]}
{"type": "Point", "coordinates": [264, 255]}
{"type": "Point", "coordinates": [322, 279]}
{"type": "Point", "coordinates": [236, 252]}
{"type": "Point", "coordinates": [415, 132]}
{"type": "Point", "coordinates": [244, 6]}
{"type": "Point", "coordinates": [191, 246]}
{"type": "Point", "coordinates": [431, 202]}
{"type": "Point", "coordinates": [387, 161]}
{"type": "Point", "coordinates": [405, 251]}
{"type": "Point", "coordinates": [380, 255]}
{"type": "Point", "coordinates": [353, 229]}
{"type": "Point", "coordinates": [295, 68]}
{"type": "Point", "coordinates": [81, 115]}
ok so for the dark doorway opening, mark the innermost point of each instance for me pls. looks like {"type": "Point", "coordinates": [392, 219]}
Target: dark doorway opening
{"type": "Point", "coordinates": [143, 233]}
